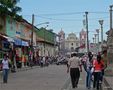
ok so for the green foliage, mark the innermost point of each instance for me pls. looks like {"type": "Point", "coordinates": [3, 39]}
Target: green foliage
{"type": "Point", "coordinates": [9, 7]}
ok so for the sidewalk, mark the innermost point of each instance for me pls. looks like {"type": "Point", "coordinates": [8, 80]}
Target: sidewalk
{"type": "Point", "coordinates": [108, 79]}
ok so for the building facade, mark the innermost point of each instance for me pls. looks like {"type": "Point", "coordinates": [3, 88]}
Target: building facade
{"type": "Point", "coordinates": [83, 36]}
{"type": "Point", "coordinates": [46, 40]}
{"type": "Point", "coordinates": [71, 43]}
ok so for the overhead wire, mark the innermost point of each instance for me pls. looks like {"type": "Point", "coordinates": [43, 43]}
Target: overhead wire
{"type": "Point", "coordinates": [47, 16]}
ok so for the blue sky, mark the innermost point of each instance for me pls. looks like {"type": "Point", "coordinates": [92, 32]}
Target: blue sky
{"type": "Point", "coordinates": [67, 14]}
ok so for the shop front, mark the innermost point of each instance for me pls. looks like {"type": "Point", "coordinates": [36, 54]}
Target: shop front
{"type": "Point", "coordinates": [21, 52]}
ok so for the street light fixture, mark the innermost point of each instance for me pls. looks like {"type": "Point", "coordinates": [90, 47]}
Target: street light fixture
{"type": "Point", "coordinates": [42, 23]}
{"type": "Point", "coordinates": [111, 17]}
{"type": "Point", "coordinates": [97, 30]}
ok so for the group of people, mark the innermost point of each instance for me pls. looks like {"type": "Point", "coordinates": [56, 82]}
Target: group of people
{"type": "Point", "coordinates": [93, 64]}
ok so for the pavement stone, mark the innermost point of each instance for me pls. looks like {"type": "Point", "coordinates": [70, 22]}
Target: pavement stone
{"type": "Point", "coordinates": [108, 79]}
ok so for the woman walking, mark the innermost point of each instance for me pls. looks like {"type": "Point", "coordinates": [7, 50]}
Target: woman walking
{"type": "Point", "coordinates": [89, 73]}
{"type": "Point", "coordinates": [5, 68]}
{"type": "Point", "coordinates": [98, 66]}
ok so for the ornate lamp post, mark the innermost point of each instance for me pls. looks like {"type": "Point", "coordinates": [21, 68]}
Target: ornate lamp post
{"type": "Point", "coordinates": [101, 23]}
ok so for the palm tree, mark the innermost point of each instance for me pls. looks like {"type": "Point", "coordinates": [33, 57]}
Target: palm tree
{"type": "Point", "coordinates": [9, 7]}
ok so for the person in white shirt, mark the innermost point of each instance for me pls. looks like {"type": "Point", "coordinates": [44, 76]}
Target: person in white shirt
{"type": "Point", "coordinates": [5, 68]}
{"type": "Point", "coordinates": [74, 66]}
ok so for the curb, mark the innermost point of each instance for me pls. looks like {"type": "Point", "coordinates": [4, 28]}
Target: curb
{"type": "Point", "coordinates": [26, 68]}
{"type": "Point", "coordinates": [23, 69]}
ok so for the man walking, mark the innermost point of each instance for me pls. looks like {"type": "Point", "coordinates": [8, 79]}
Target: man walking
{"type": "Point", "coordinates": [75, 67]}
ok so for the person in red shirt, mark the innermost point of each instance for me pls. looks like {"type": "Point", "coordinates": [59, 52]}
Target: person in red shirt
{"type": "Point", "coordinates": [98, 65]}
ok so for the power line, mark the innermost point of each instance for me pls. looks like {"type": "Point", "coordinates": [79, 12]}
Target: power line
{"type": "Point", "coordinates": [70, 19]}
{"type": "Point", "coordinates": [73, 13]}
{"type": "Point", "coordinates": [69, 13]}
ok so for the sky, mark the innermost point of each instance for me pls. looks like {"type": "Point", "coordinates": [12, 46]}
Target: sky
{"type": "Point", "coordinates": [68, 15]}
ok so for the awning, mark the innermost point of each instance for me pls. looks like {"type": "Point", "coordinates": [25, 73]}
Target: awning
{"type": "Point", "coordinates": [24, 43]}
{"type": "Point", "coordinates": [20, 42]}
{"type": "Point", "coordinates": [8, 38]}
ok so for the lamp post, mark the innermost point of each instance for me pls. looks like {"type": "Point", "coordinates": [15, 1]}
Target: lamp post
{"type": "Point", "coordinates": [97, 30]}
{"type": "Point", "coordinates": [95, 35]}
{"type": "Point", "coordinates": [101, 23]}
{"type": "Point", "coordinates": [93, 40]}
{"type": "Point", "coordinates": [111, 17]}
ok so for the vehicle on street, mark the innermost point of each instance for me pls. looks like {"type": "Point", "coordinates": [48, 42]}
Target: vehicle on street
{"type": "Point", "coordinates": [62, 62]}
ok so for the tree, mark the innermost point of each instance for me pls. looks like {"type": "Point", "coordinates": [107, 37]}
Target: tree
{"type": "Point", "coordinates": [9, 7]}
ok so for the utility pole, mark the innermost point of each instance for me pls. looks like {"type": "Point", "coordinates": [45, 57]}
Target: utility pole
{"type": "Point", "coordinates": [32, 50]}
{"type": "Point", "coordinates": [86, 13]}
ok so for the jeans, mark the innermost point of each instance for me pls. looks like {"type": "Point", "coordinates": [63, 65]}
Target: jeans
{"type": "Point", "coordinates": [88, 78]}
{"type": "Point", "coordinates": [97, 77]}
{"type": "Point", "coordinates": [5, 75]}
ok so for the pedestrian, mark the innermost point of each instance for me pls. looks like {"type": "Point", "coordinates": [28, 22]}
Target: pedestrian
{"type": "Point", "coordinates": [90, 56]}
{"type": "Point", "coordinates": [5, 68]}
{"type": "Point", "coordinates": [89, 67]}
{"type": "Point", "coordinates": [74, 66]}
{"type": "Point", "coordinates": [98, 65]}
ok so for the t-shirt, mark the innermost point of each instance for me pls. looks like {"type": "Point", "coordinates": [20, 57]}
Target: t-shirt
{"type": "Point", "coordinates": [5, 64]}
{"type": "Point", "coordinates": [98, 66]}
{"type": "Point", "coordinates": [74, 62]}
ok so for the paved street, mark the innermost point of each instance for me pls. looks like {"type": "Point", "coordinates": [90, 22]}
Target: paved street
{"type": "Point", "coordinates": [48, 78]}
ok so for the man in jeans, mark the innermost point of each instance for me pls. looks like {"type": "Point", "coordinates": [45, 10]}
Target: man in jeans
{"type": "Point", "coordinates": [73, 66]}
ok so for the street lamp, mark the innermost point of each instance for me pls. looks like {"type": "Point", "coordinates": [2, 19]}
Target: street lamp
{"type": "Point", "coordinates": [95, 35]}
{"type": "Point", "coordinates": [101, 23]}
{"type": "Point", "coordinates": [111, 17]}
{"type": "Point", "coordinates": [42, 23]}
{"type": "Point", "coordinates": [93, 40]}
{"type": "Point", "coordinates": [97, 30]}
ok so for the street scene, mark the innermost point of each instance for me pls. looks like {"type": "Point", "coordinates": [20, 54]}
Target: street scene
{"type": "Point", "coordinates": [56, 45]}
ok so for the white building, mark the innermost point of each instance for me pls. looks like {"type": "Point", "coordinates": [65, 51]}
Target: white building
{"type": "Point", "coordinates": [71, 43]}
